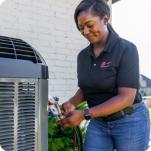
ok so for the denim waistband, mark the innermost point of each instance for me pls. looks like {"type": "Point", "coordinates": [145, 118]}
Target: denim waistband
{"type": "Point", "coordinates": [120, 114]}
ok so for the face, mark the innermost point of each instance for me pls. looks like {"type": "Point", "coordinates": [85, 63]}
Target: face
{"type": "Point", "coordinates": [92, 27]}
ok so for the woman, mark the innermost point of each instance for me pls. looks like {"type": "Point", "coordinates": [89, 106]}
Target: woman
{"type": "Point", "coordinates": [108, 79]}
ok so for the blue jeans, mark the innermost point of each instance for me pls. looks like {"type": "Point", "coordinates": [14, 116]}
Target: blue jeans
{"type": "Point", "coordinates": [130, 133]}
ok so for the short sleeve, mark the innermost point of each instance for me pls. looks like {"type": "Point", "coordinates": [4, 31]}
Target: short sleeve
{"type": "Point", "coordinates": [128, 71]}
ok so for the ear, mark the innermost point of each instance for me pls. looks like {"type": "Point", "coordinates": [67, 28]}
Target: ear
{"type": "Point", "coordinates": [106, 19]}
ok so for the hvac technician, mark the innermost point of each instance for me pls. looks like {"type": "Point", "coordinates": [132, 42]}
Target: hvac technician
{"type": "Point", "coordinates": [108, 79]}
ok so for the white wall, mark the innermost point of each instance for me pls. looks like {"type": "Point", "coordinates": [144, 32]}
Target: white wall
{"type": "Point", "coordinates": [48, 26]}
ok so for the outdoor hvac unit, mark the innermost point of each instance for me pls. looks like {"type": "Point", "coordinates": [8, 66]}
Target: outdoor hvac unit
{"type": "Point", "coordinates": [23, 97]}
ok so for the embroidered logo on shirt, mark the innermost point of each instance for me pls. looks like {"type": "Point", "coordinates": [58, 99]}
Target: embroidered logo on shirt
{"type": "Point", "coordinates": [105, 64]}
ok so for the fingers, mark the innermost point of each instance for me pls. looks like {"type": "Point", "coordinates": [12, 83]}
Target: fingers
{"type": "Point", "coordinates": [62, 107]}
{"type": "Point", "coordinates": [66, 121]}
{"type": "Point", "coordinates": [68, 125]}
{"type": "Point", "coordinates": [67, 114]}
{"type": "Point", "coordinates": [67, 107]}
{"type": "Point", "coordinates": [71, 119]}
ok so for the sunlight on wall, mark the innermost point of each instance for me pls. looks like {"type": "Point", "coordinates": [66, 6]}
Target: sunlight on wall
{"type": "Point", "coordinates": [1, 1]}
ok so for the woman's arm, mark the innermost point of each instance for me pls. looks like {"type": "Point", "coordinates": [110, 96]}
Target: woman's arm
{"type": "Point", "coordinates": [71, 104]}
{"type": "Point", "coordinates": [124, 99]}
{"type": "Point", "coordinates": [77, 98]}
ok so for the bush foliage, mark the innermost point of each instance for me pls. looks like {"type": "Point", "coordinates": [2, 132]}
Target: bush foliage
{"type": "Point", "coordinates": [61, 139]}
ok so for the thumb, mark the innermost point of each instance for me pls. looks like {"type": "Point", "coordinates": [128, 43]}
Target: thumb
{"type": "Point", "coordinates": [64, 108]}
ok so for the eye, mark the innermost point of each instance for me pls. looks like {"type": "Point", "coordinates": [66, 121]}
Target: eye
{"type": "Point", "coordinates": [90, 25]}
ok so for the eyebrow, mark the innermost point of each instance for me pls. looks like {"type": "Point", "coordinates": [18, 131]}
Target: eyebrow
{"type": "Point", "coordinates": [86, 22]}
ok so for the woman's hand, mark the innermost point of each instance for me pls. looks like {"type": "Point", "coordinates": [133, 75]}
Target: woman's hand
{"type": "Point", "coordinates": [68, 107]}
{"type": "Point", "coordinates": [73, 101]}
{"type": "Point", "coordinates": [71, 119]}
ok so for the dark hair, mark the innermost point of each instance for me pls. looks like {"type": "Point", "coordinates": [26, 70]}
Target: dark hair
{"type": "Point", "coordinates": [96, 7]}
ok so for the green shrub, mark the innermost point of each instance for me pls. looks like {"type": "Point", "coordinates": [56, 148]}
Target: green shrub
{"type": "Point", "coordinates": [61, 139]}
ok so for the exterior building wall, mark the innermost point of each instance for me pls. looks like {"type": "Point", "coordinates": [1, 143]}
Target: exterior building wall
{"type": "Point", "coordinates": [145, 88]}
{"type": "Point", "coordinates": [142, 82]}
{"type": "Point", "coordinates": [48, 26]}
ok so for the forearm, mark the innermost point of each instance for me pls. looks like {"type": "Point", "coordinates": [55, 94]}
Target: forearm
{"type": "Point", "coordinates": [77, 98]}
{"type": "Point", "coordinates": [113, 105]}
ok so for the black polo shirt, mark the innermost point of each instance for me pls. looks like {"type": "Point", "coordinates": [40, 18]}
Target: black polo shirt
{"type": "Point", "coordinates": [117, 66]}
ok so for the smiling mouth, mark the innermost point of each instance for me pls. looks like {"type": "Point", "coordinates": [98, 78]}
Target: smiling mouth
{"type": "Point", "coordinates": [90, 37]}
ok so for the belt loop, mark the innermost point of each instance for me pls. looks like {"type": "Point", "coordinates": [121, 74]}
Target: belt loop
{"type": "Point", "coordinates": [122, 112]}
{"type": "Point", "coordinates": [136, 105]}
